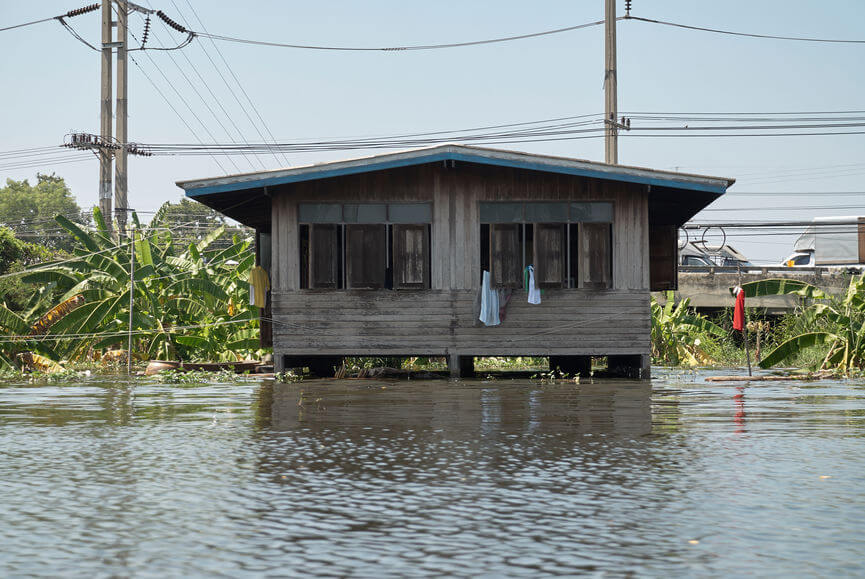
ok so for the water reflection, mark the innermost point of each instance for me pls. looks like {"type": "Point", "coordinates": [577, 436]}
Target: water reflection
{"type": "Point", "coordinates": [464, 410]}
{"type": "Point", "coordinates": [120, 478]}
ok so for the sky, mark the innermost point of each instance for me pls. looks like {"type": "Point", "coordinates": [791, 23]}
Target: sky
{"type": "Point", "coordinates": [51, 88]}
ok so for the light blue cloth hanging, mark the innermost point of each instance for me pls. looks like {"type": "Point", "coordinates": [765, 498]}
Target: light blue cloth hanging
{"type": "Point", "coordinates": [489, 314]}
{"type": "Point", "coordinates": [534, 292]}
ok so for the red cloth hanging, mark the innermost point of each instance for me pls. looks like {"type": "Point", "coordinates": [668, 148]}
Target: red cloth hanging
{"type": "Point", "coordinates": [739, 311]}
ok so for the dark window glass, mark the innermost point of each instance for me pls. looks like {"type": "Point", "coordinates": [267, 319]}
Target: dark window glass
{"type": "Point", "coordinates": [501, 212]}
{"type": "Point", "coordinates": [320, 213]}
{"type": "Point", "coordinates": [365, 213]}
{"type": "Point", "coordinates": [409, 212]}
{"type": "Point", "coordinates": [592, 212]}
{"type": "Point", "coordinates": [546, 212]}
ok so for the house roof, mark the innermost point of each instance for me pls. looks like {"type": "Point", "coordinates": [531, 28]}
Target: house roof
{"type": "Point", "coordinates": [198, 188]}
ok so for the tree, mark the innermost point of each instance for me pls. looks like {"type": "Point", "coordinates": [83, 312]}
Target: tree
{"type": "Point", "coordinates": [29, 210]}
{"type": "Point", "coordinates": [15, 256]}
{"type": "Point", "coordinates": [191, 222]}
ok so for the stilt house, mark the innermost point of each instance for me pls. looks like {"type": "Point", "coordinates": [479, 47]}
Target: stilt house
{"type": "Point", "coordinates": [384, 255]}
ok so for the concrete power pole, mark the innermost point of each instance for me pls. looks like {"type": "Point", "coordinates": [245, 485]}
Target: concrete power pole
{"type": "Point", "coordinates": [121, 204]}
{"type": "Point", "coordinates": [611, 130]}
{"type": "Point", "coordinates": [105, 115]}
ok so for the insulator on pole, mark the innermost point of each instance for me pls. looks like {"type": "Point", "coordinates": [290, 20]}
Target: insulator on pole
{"type": "Point", "coordinates": [84, 10]}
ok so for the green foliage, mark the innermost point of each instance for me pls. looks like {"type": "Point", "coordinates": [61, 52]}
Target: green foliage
{"type": "Point", "coordinates": [29, 210]}
{"type": "Point", "coordinates": [680, 337]}
{"type": "Point", "coordinates": [832, 328]}
{"type": "Point", "coordinates": [288, 377]}
{"type": "Point", "coordinates": [189, 303]}
{"type": "Point", "coordinates": [195, 377]}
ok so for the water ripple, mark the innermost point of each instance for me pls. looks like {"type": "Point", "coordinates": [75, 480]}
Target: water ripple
{"type": "Point", "coordinates": [112, 478]}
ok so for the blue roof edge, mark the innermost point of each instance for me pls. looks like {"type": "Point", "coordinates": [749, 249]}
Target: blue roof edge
{"type": "Point", "coordinates": [324, 172]}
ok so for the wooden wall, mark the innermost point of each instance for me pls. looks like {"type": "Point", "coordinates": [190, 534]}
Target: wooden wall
{"type": "Point", "coordinates": [440, 322]}
{"type": "Point", "coordinates": [442, 319]}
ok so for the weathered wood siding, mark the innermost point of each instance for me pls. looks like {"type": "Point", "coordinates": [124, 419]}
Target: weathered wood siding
{"type": "Point", "coordinates": [442, 320]}
{"type": "Point", "coordinates": [439, 322]}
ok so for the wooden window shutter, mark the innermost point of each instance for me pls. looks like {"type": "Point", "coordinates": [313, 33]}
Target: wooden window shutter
{"type": "Point", "coordinates": [365, 256]}
{"type": "Point", "coordinates": [506, 259]}
{"type": "Point", "coordinates": [663, 257]}
{"type": "Point", "coordinates": [550, 255]}
{"type": "Point", "coordinates": [596, 255]}
{"type": "Point", "coordinates": [410, 257]}
{"type": "Point", "coordinates": [324, 256]}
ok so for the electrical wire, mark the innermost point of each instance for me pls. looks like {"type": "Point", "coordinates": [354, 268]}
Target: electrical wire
{"type": "Point", "coordinates": [165, 330]}
{"type": "Point", "coordinates": [400, 48]}
{"type": "Point", "coordinates": [747, 34]}
{"type": "Point", "coordinates": [27, 24]}
{"type": "Point", "coordinates": [218, 101]}
{"type": "Point", "coordinates": [237, 81]}
{"type": "Point", "coordinates": [173, 108]}
{"type": "Point", "coordinates": [207, 106]}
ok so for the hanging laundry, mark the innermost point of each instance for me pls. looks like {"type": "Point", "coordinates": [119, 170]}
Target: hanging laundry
{"type": "Point", "coordinates": [258, 286]}
{"type": "Point", "coordinates": [739, 310]}
{"type": "Point", "coordinates": [534, 292]}
{"type": "Point", "coordinates": [489, 314]}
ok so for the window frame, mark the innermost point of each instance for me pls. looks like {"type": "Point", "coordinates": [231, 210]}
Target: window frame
{"type": "Point", "coordinates": [334, 213]}
{"type": "Point", "coordinates": [598, 211]}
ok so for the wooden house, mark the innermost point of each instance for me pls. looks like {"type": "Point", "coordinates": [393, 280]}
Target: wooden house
{"type": "Point", "coordinates": [384, 255]}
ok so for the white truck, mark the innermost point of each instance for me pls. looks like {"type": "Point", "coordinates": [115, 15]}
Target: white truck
{"type": "Point", "coordinates": [837, 242]}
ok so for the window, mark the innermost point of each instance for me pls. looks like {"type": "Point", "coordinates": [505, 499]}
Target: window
{"type": "Point", "coordinates": [365, 245]}
{"type": "Point", "coordinates": [568, 243]}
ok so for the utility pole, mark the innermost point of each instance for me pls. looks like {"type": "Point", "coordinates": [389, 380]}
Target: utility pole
{"type": "Point", "coordinates": [611, 130]}
{"type": "Point", "coordinates": [105, 115]}
{"type": "Point", "coordinates": [121, 204]}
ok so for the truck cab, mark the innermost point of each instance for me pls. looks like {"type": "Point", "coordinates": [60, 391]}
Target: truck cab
{"type": "Point", "coordinates": [799, 259]}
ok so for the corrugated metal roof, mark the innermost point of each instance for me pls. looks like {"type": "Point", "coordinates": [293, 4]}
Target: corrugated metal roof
{"type": "Point", "coordinates": [453, 152]}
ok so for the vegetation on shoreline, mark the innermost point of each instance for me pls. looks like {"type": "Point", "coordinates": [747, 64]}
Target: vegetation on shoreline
{"type": "Point", "coordinates": [190, 302]}
{"type": "Point", "coordinates": [66, 304]}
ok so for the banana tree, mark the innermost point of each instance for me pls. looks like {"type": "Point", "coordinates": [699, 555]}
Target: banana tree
{"type": "Point", "coordinates": [191, 305]}
{"type": "Point", "coordinates": [835, 325]}
{"type": "Point", "coordinates": [678, 336]}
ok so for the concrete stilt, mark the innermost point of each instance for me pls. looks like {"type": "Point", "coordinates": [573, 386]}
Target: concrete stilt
{"type": "Point", "coordinates": [461, 366]}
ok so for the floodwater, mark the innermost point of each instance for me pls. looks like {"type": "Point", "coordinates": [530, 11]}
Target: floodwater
{"type": "Point", "coordinates": [373, 478]}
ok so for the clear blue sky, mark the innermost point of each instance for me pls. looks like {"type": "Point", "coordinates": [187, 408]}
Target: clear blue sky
{"type": "Point", "coordinates": [51, 87]}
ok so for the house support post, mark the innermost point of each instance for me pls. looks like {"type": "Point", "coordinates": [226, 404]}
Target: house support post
{"type": "Point", "coordinates": [461, 366]}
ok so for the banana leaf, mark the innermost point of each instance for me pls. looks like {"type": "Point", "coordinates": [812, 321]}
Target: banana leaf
{"type": "Point", "coordinates": [796, 345]}
{"type": "Point", "coordinates": [781, 286]}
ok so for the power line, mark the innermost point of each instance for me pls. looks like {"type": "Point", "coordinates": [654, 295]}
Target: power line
{"type": "Point", "coordinates": [176, 112]}
{"type": "Point", "coordinates": [218, 100]}
{"type": "Point", "coordinates": [239, 84]}
{"type": "Point", "coordinates": [399, 48]}
{"type": "Point", "coordinates": [69, 14]}
{"type": "Point", "coordinates": [195, 90]}
{"type": "Point", "coordinates": [746, 34]}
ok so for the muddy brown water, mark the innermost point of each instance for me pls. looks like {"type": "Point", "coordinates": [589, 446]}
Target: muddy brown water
{"type": "Point", "coordinates": [108, 477]}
